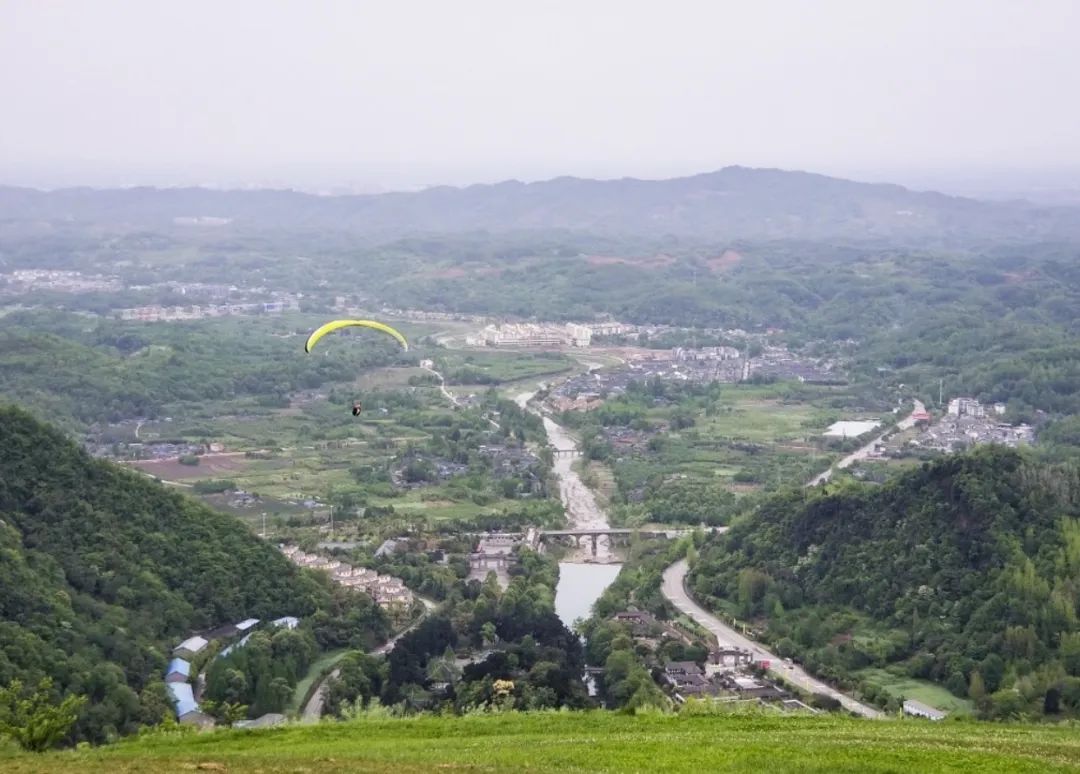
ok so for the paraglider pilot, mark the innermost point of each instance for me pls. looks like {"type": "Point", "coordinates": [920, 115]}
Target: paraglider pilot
{"type": "Point", "coordinates": [334, 325]}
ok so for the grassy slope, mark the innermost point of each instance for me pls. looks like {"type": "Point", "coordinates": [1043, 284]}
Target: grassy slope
{"type": "Point", "coordinates": [594, 742]}
{"type": "Point", "coordinates": [921, 690]}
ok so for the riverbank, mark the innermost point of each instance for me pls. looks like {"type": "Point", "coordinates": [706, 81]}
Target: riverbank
{"type": "Point", "coordinates": [582, 577]}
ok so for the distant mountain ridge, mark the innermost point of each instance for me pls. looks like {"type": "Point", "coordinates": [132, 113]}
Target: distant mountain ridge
{"type": "Point", "coordinates": [731, 203]}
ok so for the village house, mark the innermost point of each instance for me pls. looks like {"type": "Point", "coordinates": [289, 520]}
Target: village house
{"type": "Point", "coordinates": [178, 671]}
{"type": "Point", "coordinates": [641, 622]}
{"type": "Point", "coordinates": [235, 646]}
{"type": "Point", "coordinates": [190, 647]}
{"type": "Point", "coordinates": [750, 688]}
{"type": "Point", "coordinates": [682, 668]}
{"type": "Point", "coordinates": [187, 709]}
{"type": "Point", "coordinates": [920, 710]}
{"type": "Point", "coordinates": [247, 625]}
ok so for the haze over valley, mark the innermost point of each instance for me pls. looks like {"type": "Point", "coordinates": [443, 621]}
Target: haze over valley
{"type": "Point", "coordinates": [468, 388]}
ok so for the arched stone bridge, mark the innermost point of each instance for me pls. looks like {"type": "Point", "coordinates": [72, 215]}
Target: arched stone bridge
{"type": "Point", "coordinates": [614, 535]}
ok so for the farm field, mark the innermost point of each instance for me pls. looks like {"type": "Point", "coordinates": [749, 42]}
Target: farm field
{"type": "Point", "coordinates": [596, 741]}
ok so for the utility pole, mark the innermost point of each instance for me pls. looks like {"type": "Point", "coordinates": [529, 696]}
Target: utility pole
{"type": "Point", "coordinates": [331, 522]}
{"type": "Point", "coordinates": [264, 525]}
{"type": "Point", "coordinates": [940, 392]}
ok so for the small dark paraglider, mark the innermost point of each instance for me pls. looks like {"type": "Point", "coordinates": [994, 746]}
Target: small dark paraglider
{"type": "Point", "coordinates": [357, 408]}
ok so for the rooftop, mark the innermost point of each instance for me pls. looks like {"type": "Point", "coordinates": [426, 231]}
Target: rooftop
{"type": "Point", "coordinates": [912, 707]}
{"type": "Point", "coordinates": [192, 644]}
{"type": "Point", "coordinates": [851, 428]}
{"type": "Point", "coordinates": [183, 698]}
{"type": "Point", "coordinates": [179, 666]}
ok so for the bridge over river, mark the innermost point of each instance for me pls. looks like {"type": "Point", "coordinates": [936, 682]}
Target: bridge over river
{"type": "Point", "coordinates": [614, 535]}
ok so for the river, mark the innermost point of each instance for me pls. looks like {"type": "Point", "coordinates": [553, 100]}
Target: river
{"type": "Point", "coordinates": [580, 582]}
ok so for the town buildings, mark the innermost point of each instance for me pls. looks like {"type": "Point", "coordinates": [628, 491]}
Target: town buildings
{"type": "Point", "coordinates": [532, 335]}
{"type": "Point", "coordinates": [966, 407]}
{"type": "Point", "coordinates": [386, 590]}
{"type": "Point", "coordinates": [495, 553]}
{"type": "Point", "coordinates": [154, 313]}
{"type": "Point", "coordinates": [969, 423]}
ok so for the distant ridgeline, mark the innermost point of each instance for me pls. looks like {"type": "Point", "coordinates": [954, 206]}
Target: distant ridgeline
{"type": "Point", "coordinates": [102, 571]}
{"type": "Point", "coordinates": [965, 571]}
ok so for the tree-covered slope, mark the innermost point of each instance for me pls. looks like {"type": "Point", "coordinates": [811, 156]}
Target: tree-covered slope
{"type": "Point", "coordinates": [105, 370]}
{"type": "Point", "coordinates": [102, 571]}
{"type": "Point", "coordinates": [965, 571]}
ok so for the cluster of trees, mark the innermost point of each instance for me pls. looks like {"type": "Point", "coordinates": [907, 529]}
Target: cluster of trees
{"type": "Point", "coordinates": [104, 571]}
{"type": "Point", "coordinates": [114, 370]}
{"type": "Point", "coordinates": [456, 439]}
{"type": "Point", "coordinates": [534, 661]}
{"type": "Point", "coordinates": [631, 669]}
{"type": "Point", "coordinates": [262, 673]}
{"type": "Point", "coordinates": [965, 571]}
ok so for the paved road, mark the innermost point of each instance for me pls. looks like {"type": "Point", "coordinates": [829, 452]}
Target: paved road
{"type": "Point", "coordinates": [864, 451]}
{"type": "Point", "coordinates": [314, 708]}
{"type": "Point", "coordinates": [674, 590]}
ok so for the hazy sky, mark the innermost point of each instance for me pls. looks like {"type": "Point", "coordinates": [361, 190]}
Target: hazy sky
{"type": "Point", "coordinates": [399, 93]}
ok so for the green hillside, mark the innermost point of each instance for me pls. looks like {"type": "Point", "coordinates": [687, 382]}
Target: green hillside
{"type": "Point", "coordinates": [102, 571]}
{"type": "Point", "coordinates": [965, 572]}
{"type": "Point", "coordinates": [590, 742]}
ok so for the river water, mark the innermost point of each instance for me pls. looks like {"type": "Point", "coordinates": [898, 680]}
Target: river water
{"type": "Point", "coordinates": [580, 585]}
{"type": "Point", "coordinates": [580, 582]}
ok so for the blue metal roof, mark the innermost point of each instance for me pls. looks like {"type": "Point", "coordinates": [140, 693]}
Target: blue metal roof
{"type": "Point", "coordinates": [183, 698]}
{"type": "Point", "coordinates": [179, 666]}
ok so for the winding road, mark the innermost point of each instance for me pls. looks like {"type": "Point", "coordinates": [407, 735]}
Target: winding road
{"type": "Point", "coordinates": [314, 708]}
{"type": "Point", "coordinates": [675, 590]}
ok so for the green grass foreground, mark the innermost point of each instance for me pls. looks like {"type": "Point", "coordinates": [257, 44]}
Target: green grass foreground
{"type": "Point", "coordinates": [594, 741]}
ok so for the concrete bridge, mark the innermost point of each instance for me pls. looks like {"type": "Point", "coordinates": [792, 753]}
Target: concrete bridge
{"type": "Point", "coordinates": [566, 452]}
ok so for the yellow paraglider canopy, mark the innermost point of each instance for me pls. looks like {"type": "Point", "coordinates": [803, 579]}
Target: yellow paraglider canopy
{"type": "Point", "coordinates": [334, 325]}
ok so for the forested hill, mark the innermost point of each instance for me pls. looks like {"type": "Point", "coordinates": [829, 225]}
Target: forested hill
{"type": "Point", "coordinates": [965, 571]}
{"type": "Point", "coordinates": [732, 203]}
{"type": "Point", "coordinates": [102, 571]}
